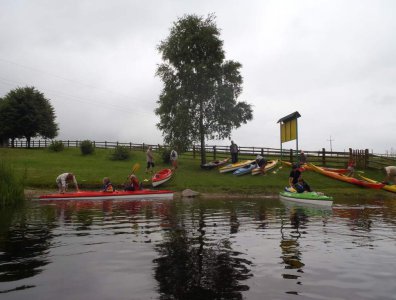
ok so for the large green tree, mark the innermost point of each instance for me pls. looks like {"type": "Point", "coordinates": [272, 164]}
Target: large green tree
{"type": "Point", "coordinates": [199, 97]}
{"type": "Point", "coordinates": [25, 112]}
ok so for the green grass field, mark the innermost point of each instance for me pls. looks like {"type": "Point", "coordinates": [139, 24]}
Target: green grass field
{"type": "Point", "coordinates": [42, 166]}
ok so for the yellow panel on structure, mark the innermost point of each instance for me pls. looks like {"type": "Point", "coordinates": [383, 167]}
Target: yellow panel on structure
{"type": "Point", "coordinates": [293, 129]}
{"type": "Point", "coordinates": [283, 133]}
{"type": "Point", "coordinates": [289, 131]}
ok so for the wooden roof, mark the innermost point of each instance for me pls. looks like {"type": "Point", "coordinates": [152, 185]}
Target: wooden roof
{"type": "Point", "coordinates": [290, 117]}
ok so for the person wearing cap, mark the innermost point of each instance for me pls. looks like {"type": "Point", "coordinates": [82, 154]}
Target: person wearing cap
{"type": "Point", "coordinates": [234, 152]}
{"type": "Point", "coordinates": [261, 162]}
{"type": "Point", "coordinates": [62, 181]}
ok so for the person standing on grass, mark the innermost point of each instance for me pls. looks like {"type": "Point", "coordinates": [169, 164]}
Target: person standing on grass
{"type": "Point", "coordinates": [62, 181]}
{"type": "Point", "coordinates": [303, 158]}
{"type": "Point", "coordinates": [234, 152]}
{"type": "Point", "coordinates": [351, 167]}
{"type": "Point", "coordinates": [150, 160]}
{"type": "Point", "coordinates": [173, 159]}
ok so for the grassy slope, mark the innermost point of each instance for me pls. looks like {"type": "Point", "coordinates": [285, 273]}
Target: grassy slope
{"type": "Point", "coordinates": [43, 166]}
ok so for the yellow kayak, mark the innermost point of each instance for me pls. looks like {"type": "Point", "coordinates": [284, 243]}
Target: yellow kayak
{"type": "Point", "coordinates": [233, 167]}
{"type": "Point", "coordinates": [388, 187]}
{"type": "Point", "coordinates": [269, 166]}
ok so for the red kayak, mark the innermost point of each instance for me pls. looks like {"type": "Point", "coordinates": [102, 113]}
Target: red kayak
{"type": "Point", "coordinates": [346, 178]}
{"type": "Point", "coordinates": [161, 177]}
{"type": "Point", "coordinates": [122, 195]}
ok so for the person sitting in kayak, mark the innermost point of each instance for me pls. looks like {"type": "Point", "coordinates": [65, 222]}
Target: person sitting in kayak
{"type": "Point", "coordinates": [296, 181]}
{"type": "Point", "coordinates": [107, 185]}
{"type": "Point", "coordinates": [132, 184]}
{"type": "Point", "coordinates": [301, 186]}
{"type": "Point", "coordinates": [62, 182]}
{"type": "Point", "coordinates": [261, 162]}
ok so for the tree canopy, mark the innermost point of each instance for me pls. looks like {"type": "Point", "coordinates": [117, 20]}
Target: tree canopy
{"type": "Point", "coordinates": [25, 112]}
{"type": "Point", "coordinates": [199, 97]}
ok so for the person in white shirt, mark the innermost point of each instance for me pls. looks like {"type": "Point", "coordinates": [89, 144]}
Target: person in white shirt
{"type": "Point", "coordinates": [63, 179]}
{"type": "Point", "coordinates": [173, 159]}
{"type": "Point", "coordinates": [390, 172]}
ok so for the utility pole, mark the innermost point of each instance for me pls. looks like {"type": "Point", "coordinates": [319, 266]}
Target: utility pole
{"type": "Point", "coordinates": [331, 145]}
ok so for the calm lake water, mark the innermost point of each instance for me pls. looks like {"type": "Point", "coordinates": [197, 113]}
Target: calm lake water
{"type": "Point", "coordinates": [198, 249]}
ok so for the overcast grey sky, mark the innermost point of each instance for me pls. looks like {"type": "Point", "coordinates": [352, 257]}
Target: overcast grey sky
{"type": "Point", "coordinates": [333, 61]}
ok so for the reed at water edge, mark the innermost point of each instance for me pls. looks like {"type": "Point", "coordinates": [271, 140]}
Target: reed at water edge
{"type": "Point", "coordinates": [11, 187]}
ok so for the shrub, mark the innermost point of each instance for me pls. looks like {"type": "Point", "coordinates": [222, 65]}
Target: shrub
{"type": "Point", "coordinates": [120, 153]}
{"type": "Point", "coordinates": [11, 188]}
{"type": "Point", "coordinates": [56, 146]}
{"type": "Point", "coordinates": [165, 154]}
{"type": "Point", "coordinates": [86, 147]}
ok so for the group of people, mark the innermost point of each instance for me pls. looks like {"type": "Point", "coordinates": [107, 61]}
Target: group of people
{"type": "Point", "coordinates": [132, 183]}
{"type": "Point", "coordinates": [295, 178]}
{"type": "Point", "coordinates": [150, 159]}
{"type": "Point", "coordinates": [63, 180]}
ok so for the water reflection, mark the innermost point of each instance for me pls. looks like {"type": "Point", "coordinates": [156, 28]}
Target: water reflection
{"type": "Point", "coordinates": [25, 239]}
{"type": "Point", "coordinates": [193, 267]}
{"type": "Point", "coordinates": [197, 249]}
{"type": "Point", "coordinates": [291, 231]}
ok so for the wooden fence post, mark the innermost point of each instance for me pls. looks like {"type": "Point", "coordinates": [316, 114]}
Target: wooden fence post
{"type": "Point", "coordinates": [45, 143]}
{"type": "Point", "coordinates": [143, 147]}
{"type": "Point", "coordinates": [214, 152]}
{"type": "Point", "coordinates": [366, 158]}
{"type": "Point", "coordinates": [291, 155]}
{"type": "Point", "coordinates": [130, 146]}
{"type": "Point", "coordinates": [39, 143]}
{"type": "Point", "coordinates": [323, 157]}
{"type": "Point", "coordinates": [105, 144]}
{"type": "Point", "coordinates": [262, 152]}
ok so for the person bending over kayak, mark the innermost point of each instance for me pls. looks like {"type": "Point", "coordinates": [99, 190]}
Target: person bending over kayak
{"type": "Point", "coordinates": [132, 183]}
{"type": "Point", "coordinates": [62, 181]}
{"type": "Point", "coordinates": [390, 175]}
{"type": "Point", "coordinates": [107, 185]}
{"type": "Point", "coordinates": [261, 162]}
{"type": "Point", "coordinates": [296, 181]}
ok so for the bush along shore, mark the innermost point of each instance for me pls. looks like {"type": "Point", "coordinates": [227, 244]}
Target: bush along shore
{"type": "Point", "coordinates": [42, 166]}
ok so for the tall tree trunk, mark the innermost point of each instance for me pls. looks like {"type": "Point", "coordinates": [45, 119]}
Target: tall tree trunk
{"type": "Point", "coordinates": [28, 142]}
{"type": "Point", "coordinates": [202, 134]}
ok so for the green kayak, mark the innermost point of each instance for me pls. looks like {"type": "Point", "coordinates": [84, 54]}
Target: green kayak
{"type": "Point", "coordinates": [307, 197]}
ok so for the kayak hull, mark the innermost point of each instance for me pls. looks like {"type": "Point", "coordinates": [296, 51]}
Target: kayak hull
{"type": "Point", "coordinates": [233, 167]}
{"type": "Point", "coordinates": [345, 178]}
{"type": "Point", "coordinates": [387, 187]}
{"type": "Point", "coordinates": [307, 198]}
{"type": "Point", "coordinates": [215, 164]}
{"type": "Point", "coordinates": [161, 177]}
{"type": "Point", "coordinates": [117, 195]}
{"type": "Point", "coordinates": [244, 170]}
{"type": "Point", "coordinates": [269, 166]}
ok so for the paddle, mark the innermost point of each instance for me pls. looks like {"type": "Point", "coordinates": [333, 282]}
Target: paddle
{"type": "Point", "coordinates": [135, 168]}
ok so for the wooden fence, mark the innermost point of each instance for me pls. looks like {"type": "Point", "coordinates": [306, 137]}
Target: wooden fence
{"type": "Point", "coordinates": [363, 158]}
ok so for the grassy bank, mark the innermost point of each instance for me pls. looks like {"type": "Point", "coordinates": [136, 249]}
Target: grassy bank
{"type": "Point", "coordinates": [42, 167]}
